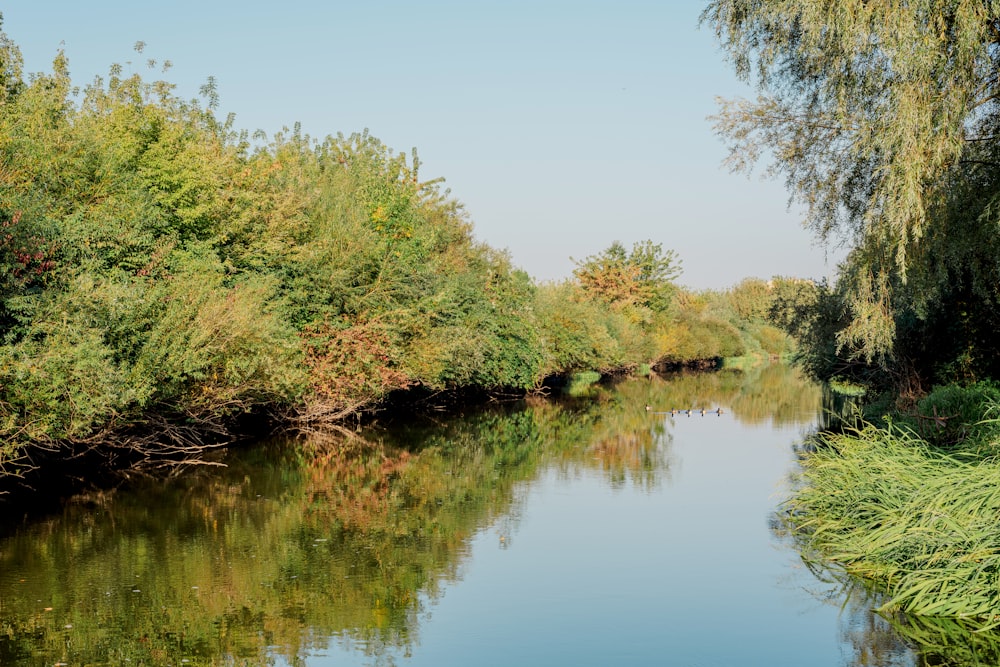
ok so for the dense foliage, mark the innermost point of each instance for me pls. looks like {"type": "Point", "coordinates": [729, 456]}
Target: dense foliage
{"type": "Point", "coordinates": [162, 274]}
{"type": "Point", "coordinates": [882, 116]}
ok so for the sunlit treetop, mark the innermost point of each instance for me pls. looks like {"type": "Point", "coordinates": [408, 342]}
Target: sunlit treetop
{"type": "Point", "coordinates": [643, 277]}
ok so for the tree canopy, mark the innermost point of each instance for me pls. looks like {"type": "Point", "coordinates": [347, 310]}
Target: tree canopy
{"type": "Point", "coordinates": [864, 103]}
{"type": "Point", "coordinates": [872, 111]}
{"type": "Point", "coordinates": [640, 278]}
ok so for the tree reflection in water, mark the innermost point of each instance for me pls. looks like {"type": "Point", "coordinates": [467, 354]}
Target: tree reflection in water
{"type": "Point", "coordinates": [335, 538]}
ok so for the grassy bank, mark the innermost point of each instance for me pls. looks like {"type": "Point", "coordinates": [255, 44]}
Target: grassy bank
{"type": "Point", "coordinates": [911, 506]}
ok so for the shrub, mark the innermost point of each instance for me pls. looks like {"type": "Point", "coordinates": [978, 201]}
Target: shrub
{"type": "Point", "coordinates": [956, 415]}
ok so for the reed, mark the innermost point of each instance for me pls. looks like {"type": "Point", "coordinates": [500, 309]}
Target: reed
{"type": "Point", "coordinates": [920, 522]}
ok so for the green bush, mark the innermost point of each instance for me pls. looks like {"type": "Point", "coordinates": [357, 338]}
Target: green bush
{"type": "Point", "coordinates": [772, 341]}
{"type": "Point", "coordinates": [693, 337]}
{"type": "Point", "coordinates": [576, 333]}
{"type": "Point", "coordinates": [214, 349]}
{"type": "Point", "coordinates": [956, 415]}
{"type": "Point", "coordinates": [60, 383]}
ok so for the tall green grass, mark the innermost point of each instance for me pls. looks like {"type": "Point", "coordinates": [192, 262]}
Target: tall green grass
{"type": "Point", "coordinates": [922, 523]}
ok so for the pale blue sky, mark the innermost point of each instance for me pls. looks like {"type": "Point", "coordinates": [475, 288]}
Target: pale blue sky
{"type": "Point", "coordinates": [562, 126]}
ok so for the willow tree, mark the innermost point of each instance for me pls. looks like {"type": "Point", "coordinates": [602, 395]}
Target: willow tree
{"type": "Point", "coordinates": [870, 109]}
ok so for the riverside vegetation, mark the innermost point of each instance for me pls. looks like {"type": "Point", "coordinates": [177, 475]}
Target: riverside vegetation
{"type": "Point", "coordinates": [164, 277]}
{"type": "Point", "coordinates": [883, 118]}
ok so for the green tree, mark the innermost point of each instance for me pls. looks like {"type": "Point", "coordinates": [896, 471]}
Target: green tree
{"type": "Point", "coordinates": [869, 108]}
{"type": "Point", "coordinates": [643, 277]}
{"type": "Point", "coordinates": [752, 299]}
{"type": "Point", "coordinates": [11, 66]}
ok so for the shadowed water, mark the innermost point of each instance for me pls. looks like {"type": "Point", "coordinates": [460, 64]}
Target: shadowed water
{"type": "Point", "coordinates": [589, 531]}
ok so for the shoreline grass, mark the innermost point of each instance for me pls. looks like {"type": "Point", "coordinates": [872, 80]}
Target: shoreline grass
{"type": "Point", "coordinates": [919, 522]}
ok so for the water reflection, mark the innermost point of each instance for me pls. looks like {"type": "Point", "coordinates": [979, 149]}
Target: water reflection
{"type": "Point", "coordinates": [348, 541]}
{"type": "Point", "coordinates": [896, 638]}
{"type": "Point", "coordinates": [296, 541]}
{"type": "Point", "coordinates": [773, 394]}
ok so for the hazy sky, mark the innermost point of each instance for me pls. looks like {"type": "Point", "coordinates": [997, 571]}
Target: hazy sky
{"type": "Point", "coordinates": [562, 126]}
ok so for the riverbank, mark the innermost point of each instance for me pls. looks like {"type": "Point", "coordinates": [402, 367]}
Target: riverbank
{"type": "Point", "coordinates": [911, 506]}
{"type": "Point", "coordinates": [163, 279]}
{"type": "Point", "coordinates": [58, 471]}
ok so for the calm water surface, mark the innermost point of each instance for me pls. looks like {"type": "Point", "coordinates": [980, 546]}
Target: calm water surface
{"type": "Point", "coordinates": [572, 532]}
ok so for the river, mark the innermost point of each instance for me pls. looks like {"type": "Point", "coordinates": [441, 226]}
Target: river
{"type": "Point", "coordinates": [560, 531]}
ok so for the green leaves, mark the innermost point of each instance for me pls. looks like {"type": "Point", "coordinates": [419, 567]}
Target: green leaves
{"type": "Point", "coordinates": [160, 268]}
{"type": "Point", "coordinates": [642, 278]}
{"type": "Point", "coordinates": [214, 348]}
{"type": "Point", "coordinates": [884, 86]}
{"type": "Point", "coordinates": [872, 111]}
